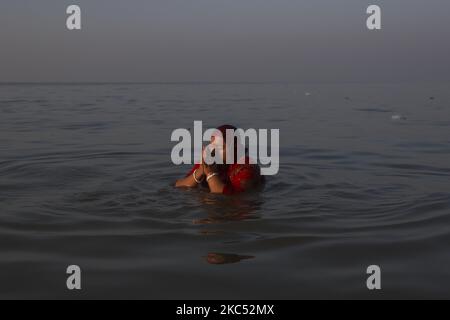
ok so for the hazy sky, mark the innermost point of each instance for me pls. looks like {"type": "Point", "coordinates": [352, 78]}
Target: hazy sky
{"type": "Point", "coordinates": [225, 40]}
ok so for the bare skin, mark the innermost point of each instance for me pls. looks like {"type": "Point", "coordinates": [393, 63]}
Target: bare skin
{"type": "Point", "coordinates": [215, 183]}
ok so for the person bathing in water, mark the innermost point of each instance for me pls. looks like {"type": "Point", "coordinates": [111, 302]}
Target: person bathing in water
{"type": "Point", "coordinates": [239, 177]}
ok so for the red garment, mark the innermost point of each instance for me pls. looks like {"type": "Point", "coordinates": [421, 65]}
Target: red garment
{"type": "Point", "coordinates": [238, 178]}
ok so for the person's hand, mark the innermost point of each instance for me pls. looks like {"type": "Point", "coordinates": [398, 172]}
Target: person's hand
{"type": "Point", "coordinates": [208, 169]}
{"type": "Point", "coordinates": [200, 173]}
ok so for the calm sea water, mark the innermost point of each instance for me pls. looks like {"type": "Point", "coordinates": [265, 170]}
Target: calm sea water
{"type": "Point", "coordinates": [86, 179]}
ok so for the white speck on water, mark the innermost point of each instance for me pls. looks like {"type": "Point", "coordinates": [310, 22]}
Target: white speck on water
{"type": "Point", "coordinates": [398, 117]}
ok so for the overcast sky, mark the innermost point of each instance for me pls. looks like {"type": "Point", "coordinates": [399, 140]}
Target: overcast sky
{"type": "Point", "coordinates": [224, 40]}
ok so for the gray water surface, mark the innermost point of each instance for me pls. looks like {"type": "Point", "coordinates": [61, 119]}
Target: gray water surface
{"type": "Point", "coordinates": [86, 179]}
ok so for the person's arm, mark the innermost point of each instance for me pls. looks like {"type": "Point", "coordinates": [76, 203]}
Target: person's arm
{"type": "Point", "coordinates": [190, 181]}
{"type": "Point", "coordinates": [213, 179]}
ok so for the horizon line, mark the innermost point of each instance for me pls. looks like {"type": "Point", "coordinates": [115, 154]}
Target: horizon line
{"type": "Point", "coordinates": [210, 82]}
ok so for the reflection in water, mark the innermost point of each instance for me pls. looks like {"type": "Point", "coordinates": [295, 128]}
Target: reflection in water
{"type": "Point", "coordinates": [222, 209]}
{"type": "Point", "coordinates": [225, 258]}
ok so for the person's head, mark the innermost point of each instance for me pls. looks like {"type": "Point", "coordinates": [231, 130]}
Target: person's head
{"type": "Point", "coordinates": [220, 139]}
